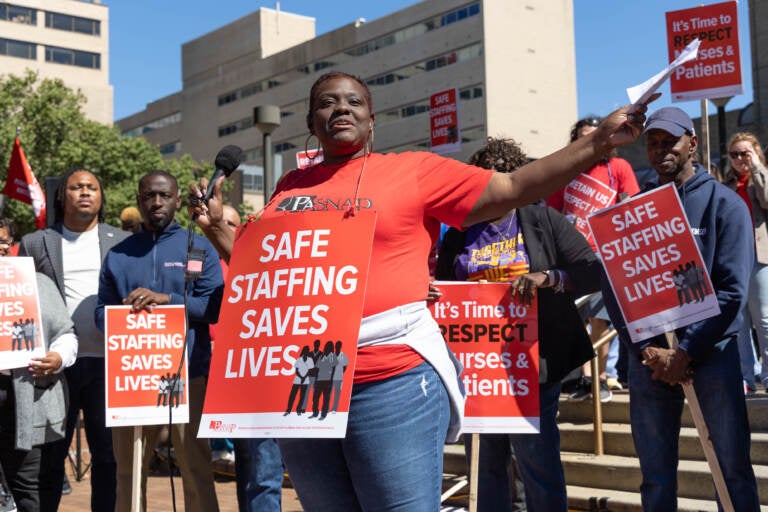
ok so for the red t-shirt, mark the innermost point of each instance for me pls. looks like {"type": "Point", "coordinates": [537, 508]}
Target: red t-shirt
{"type": "Point", "coordinates": [616, 173]}
{"type": "Point", "coordinates": [621, 179]}
{"type": "Point", "coordinates": [412, 193]}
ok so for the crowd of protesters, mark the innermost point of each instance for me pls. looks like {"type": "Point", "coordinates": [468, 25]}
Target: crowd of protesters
{"type": "Point", "coordinates": [406, 399]}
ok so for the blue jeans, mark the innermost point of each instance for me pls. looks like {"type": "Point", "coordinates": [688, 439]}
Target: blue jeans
{"type": "Point", "coordinates": [758, 308]}
{"type": "Point", "coordinates": [747, 354]}
{"type": "Point", "coordinates": [538, 461]}
{"type": "Point", "coordinates": [259, 475]}
{"type": "Point", "coordinates": [85, 380]}
{"type": "Point", "coordinates": [392, 456]}
{"type": "Point", "coordinates": [655, 410]}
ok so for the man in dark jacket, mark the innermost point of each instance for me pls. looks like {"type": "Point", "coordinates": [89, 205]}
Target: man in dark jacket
{"type": "Point", "coordinates": [71, 252]}
{"type": "Point", "coordinates": [707, 353]}
{"type": "Point", "coordinates": [147, 270]}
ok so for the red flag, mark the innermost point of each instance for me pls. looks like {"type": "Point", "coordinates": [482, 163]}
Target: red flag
{"type": "Point", "coordinates": [21, 184]}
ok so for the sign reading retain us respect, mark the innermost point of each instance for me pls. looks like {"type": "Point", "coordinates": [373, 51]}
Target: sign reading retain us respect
{"type": "Point", "coordinates": [653, 263]}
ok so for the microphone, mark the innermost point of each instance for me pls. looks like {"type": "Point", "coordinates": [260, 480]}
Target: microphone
{"type": "Point", "coordinates": [228, 159]}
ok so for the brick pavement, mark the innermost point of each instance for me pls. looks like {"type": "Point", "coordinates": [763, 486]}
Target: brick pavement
{"type": "Point", "coordinates": [159, 495]}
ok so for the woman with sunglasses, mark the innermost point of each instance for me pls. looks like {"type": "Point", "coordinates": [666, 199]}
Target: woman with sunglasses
{"type": "Point", "coordinates": [747, 175]}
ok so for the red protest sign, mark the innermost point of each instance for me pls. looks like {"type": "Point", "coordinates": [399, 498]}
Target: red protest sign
{"type": "Point", "coordinates": [306, 158]}
{"type": "Point", "coordinates": [716, 73]}
{"type": "Point", "coordinates": [295, 282]}
{"type": "Point", "coordinates": [653, 263]}
{"type": "Point", "coordinates": [497, 342]}
{"type": "Point", "coordinates": [444, 122]}
{"type": "Point", "coordinates": [21, 328]}
{"type": "Point", "coordinates": [143, 352]}
{"type": "Point", "coordinates": [582, 196]}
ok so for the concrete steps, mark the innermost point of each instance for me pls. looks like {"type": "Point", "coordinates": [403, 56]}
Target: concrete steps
{"type": "Point", "coordinates": [615, 477]}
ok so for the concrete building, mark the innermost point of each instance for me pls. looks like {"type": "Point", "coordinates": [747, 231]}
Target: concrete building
{"type": "Point", "coordinates": [66, 39]}
{"type": "Point", "coordinates": [512, 61]}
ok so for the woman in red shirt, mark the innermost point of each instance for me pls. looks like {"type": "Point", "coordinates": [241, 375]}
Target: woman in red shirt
{"type": "Point", "coordinates": [406, 399]}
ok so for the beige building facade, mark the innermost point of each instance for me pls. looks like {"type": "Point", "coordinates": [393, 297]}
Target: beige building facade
{"type": "Point", "coordinates": [66, 39]}
{"type": "Point", "coordinates": [512, 61]}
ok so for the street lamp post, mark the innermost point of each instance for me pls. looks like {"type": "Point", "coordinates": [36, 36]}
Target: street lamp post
{"type": "Point", "coordinates": [721, 135]}
{"type": "Point", "coordinates": [267, 119]}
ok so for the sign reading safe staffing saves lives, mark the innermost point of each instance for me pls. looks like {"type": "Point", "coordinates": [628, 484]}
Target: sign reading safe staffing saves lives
{"type": "Point", "coordinates": [288, 328]}
{"type": "Point", "coordinates": [143, 351]}
{"type": "Point", "coordinates": [653, 263]}
{"type": "Point", "coordinates": [496, 339]}
{"type": "Point", "coordinates": [21, 331]}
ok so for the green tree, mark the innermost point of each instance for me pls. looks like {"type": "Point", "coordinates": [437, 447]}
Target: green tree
{"type": "Point", "coordinates": [56, 136]}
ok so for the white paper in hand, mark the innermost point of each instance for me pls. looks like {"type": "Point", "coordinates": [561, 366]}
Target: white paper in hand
{"type": "Point", "coordinates": [640, 93]}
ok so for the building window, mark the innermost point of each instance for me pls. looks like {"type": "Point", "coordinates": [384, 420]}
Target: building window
{"type": "Point", "coordinates": [284, 146]}
{"type": "Point", "coordinates": [253, 178]}
{"type": "Point", "coordinates": [339, 59]}
{"type": "Point", "coordinates": [242, 124]}
{"type": "Point", "coordinates": [72, 57]}
{"type": "Point", "coordinates": [167, 149]}
{"type": "Point", "coordinates": [227, 98]}
{"type": "Point", "coordinates": [18, 49]}
{"type": "Point", "coordinates": [154, 125]}
{"type": "Point", "coordinates": [72, 23]}
{"type": "Point", "coordinates": [18, 14]}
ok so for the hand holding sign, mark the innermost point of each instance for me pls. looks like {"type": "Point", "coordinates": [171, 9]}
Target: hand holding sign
{"type": "Point", "coordinates": [41, 366]}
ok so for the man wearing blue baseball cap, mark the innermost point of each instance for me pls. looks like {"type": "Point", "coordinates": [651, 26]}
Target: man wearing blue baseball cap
{"type": "Point", "coordinates": [708, 352]}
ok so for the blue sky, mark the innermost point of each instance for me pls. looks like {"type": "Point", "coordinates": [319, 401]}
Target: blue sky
{"type": "Point", "coordinates": [618, 44]}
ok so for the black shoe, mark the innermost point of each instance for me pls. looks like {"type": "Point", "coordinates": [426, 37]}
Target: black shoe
{"type": "Point", "coordinates": [583, 390]}
{"type": "Point", "coordinates": [66, 488]}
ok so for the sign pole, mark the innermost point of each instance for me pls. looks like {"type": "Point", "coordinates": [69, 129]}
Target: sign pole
{"type": "Point", "coordinates": [474, 466]}
{"type": "Point", "coordinates": [136, 480]}
{"type": "Point", "coordinates": [703, 431]}
{"type": "Point", "coordinates": [704, 137]}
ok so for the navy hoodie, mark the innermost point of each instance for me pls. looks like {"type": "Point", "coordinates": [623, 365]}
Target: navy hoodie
{"type": "Point", "coordinates": [722, 227]}
{"type": "Point", "coordinates": [157, 261]}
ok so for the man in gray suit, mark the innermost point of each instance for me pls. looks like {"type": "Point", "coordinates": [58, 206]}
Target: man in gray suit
{"type": "Point", "coordinates": [70, 252]}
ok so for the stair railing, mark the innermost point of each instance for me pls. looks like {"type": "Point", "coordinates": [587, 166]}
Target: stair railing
{"type": "Point", "coordinates": [597, 406]}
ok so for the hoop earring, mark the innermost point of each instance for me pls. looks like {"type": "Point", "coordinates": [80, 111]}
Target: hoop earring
{"type": "Point", "coordinates": [369, 142]}
{"type": "Point", "coordinates": [306, 147]}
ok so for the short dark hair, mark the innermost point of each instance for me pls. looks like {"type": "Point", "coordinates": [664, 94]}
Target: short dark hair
{"type": "Point", "coordinates": [499, 154]}
{"type": "Point", "coordinates": [159, 172]}
{"type": "Point", "coordinates": [581, 123]}
{"type": "Point", "coordinates": [9, 226]}
{"type": "Point", "coordinates": [61, 194]}
{"type": "Point", "coordinates": [331, 76]}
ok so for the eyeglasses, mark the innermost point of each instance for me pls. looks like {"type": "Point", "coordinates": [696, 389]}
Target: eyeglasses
{"type": "Point", "coordinates": [589, 121]}
{"type": "Point", "coordinates": [738, 154]}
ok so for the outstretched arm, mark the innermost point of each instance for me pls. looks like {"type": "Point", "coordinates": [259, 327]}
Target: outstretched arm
{"type": "Point", "coordinates": [546, 175]}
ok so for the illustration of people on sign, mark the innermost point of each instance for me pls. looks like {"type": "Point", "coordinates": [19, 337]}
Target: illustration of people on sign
{"type": "Point", "coordinates": [29, 331]}
{"type": "Point", "coordinates": [325, 366]}
{"type": "Point", "coordinates": [162, 391]}
{"type": "Point", "coordinates": [17, 334]}
{"type": "Point", "coordinates": [338, 375]}
{"type": "Point", "coordinates": [303, 365]}
{"type": "Point", "coordinates": [690, 282]}
{"type": "Point", "coordinates": [176, 389]}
